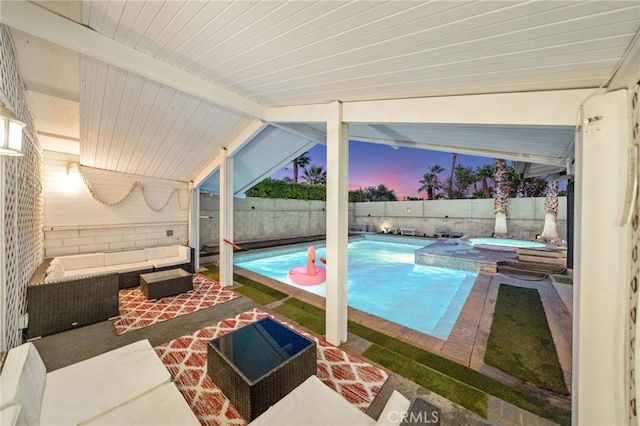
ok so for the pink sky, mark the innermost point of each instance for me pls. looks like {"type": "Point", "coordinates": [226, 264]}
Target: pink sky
{"type": "Point", "coordinates": [398, 169]}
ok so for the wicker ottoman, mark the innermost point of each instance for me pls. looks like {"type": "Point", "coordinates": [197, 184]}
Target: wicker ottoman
{"type": "Point", "coordinates": [165, 283]}
{"type": "Point", "coordinates": [257, 365]}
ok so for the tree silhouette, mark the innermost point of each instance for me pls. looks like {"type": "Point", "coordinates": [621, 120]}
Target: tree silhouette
{"type": "Point", "coordinates": [431, 182]}
{"type": "Point", "coordinates": [315, 175]}
{"type": "Point", "coordinates": [299, 162]}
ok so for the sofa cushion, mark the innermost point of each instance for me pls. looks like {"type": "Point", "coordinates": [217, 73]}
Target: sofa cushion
{"type": "Point", "coordinates": [168, 261]}
{"type": "Point", "coordinates": [82, 261]}
{"type": "Point", "coordinates": [54, 272]}
{"type": "Point", "coordinates": [22, 382]}
{"type": "Point", "coordinates": [164, 405]}
{"type": "Point", "coordinates": [313, 403]}
{"type": "Point", "coordinates": [153, 253]}
{"type": "Point", "coordinates": [84, 272]}
{"type": "Point", "coordinates": [130, 267]}
{"type": "Point", "coordinates": [85, 390]}
{"type": "Point", "coordinates": [124, 257]}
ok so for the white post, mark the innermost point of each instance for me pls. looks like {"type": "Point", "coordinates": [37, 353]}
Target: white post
{"type": "Point", "coordinates": [226, 218]}
{"type": "Point", "coordinates": [3, 269]}
{"type": "Point", "coordinates": [337, 225]}
{"type": "Point", "coordinates": [603, 261]}
{"type": "Point", "coordinates": [194, 223]}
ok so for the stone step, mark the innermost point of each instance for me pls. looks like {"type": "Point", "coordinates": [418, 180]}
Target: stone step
{"type": "Point", "coordinates": [560, 253]}
{"type": "Point", "coordinates": [545, 260]}
{"type": "Point", "coordinates": [533, 268]}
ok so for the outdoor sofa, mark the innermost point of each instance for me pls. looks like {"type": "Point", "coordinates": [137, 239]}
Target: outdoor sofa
{"type": "Point", "coordinates": [126, 386]}
{"type": "Point", "coordinates": [70, 291]}
{"type": "Point", "coordinates": [315, 404]}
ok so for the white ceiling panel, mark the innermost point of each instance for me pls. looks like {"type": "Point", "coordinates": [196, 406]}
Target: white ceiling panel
{"type": "Point", "coordinates": [288, 53]}
{"type": "Point", "coordinates": [133, 125]}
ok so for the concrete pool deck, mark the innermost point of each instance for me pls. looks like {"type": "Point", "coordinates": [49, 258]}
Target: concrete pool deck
{"type": "Point", "coordinates": [467, 341]}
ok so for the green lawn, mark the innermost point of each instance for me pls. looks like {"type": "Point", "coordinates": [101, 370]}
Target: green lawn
{"type": "Point", "coordinates": [520, 341]}
{"type": "Point", "coordinates": [255, 291]}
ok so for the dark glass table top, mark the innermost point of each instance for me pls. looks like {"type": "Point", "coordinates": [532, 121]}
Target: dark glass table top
{"type": "Point", "coordinates": [260, 347]}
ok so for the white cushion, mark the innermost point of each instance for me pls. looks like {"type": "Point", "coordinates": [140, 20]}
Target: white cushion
{"type": "Point", "coordinates": [184, 252]}
{"type": "Point", "coordinates": [313, 404]}
{"type": "Point", "coordinates": [22, 382]}
{"type": "Point", "coordinates": [54, 272]}
{"type": "Point", "coordinates": [130, 267]}
{"type": "Point", "coordinates": [123, 257]}
{"type": "Point", "coordinates": [394, 411]}
{"type": "Point", "coordinates": [84, 272]}
{"type": "Point", "coordinates": [90, 388]}
{"type": "Point", "coordinates": [11, 416]}
{"type": "Point", "coordinates": [164, 405]}
{"type": "Point", "coordinates": [168, 261]}
{"type": "Point", "coordinates": [82, 261]}
{"type": "Point", "coordinates": [153, 253]}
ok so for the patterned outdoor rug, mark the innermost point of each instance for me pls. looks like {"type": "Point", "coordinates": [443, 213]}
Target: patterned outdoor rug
{"type": "Point", "coordinates": [186, 359]}
{"type": "Point", "coordinates": [137, 312]}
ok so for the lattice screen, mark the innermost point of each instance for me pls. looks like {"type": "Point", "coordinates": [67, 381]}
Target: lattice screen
{"type": "Point", "coordinates": [22, 198]}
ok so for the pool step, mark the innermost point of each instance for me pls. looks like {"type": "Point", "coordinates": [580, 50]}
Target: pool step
{"type": "Point", "coordinates": [544, 256]}
{"type": "Point", "coordinates": [534, 269]}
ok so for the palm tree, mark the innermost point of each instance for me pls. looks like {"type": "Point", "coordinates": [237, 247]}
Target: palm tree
{"type": "Point", "coordinates": [485, 172]}
{"type": "Point", "coordinates": [315, 175]}
{"type": "Point", "coordinates": [431, 182]}
{"type": "Point", "coordinates": [300, 162]}
{"type": "Point", "coordinates": [550, 230]}
{"type": "Point", "coordinates": [500, 179]}
{"type": "Point", "coordinates": [450, 181]}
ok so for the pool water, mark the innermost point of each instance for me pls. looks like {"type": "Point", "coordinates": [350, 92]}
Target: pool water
{"type": "Point", "coordinates": [383, 280]}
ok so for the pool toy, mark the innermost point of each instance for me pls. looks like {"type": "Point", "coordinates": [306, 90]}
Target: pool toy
{"type": "Point", "coordinates": [309, 274]}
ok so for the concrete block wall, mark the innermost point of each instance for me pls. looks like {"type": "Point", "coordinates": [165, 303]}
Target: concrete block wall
{"type": "Point", "coordinates": [525, 217]}
{"type": "Point", "coordinates": [257, 219]}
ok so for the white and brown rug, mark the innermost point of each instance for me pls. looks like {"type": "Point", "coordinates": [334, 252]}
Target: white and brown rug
{"type": "Point", "coordinates": [186, 359]}
{"type": "Point", "coordinates": [137, 312]}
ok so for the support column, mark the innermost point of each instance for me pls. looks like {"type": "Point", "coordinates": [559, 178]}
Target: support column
{"type": "Point", "coordinates": [194, 222]}
{"type": "Point", "coordinates": [337, 225]}
{"type": "Point", "coordinates": [603, 262]}
{"type": "Point", "coordinates": [226, 218]}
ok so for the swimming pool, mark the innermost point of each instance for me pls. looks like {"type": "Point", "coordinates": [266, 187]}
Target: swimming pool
{"type": "Point", "coordinates": [506, 242]}
{"type": "Point", "coordinates": [383, 280]}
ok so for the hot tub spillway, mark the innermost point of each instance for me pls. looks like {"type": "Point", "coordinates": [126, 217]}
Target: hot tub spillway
{"type": "Point", "coordinates": [454, 256]}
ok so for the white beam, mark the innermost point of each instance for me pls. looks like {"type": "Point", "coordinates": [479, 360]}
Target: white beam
{"type": "Point", "coordinates": [603, 263]}
{"type": "Point", "coordinates": [226, 219]}
{"type": "Point", "coordinates": [532, 108]}
{"type": "Point", "coordinates": [194, 223]}
{"type": "Point", "coordinates": [627, 72]}
{"type": "Point", "coordinates": [337, 225]}
{"type": "Point", "coordinates": [238, 142]}
{"type": "Point", "coordinates": [304, 131]}
{"type": "Point", "coordinates": [35, 20]}
{"type": "Point", "coordinates": [298, 114]}
{"type": "Point", "coordinates": [490, 153]}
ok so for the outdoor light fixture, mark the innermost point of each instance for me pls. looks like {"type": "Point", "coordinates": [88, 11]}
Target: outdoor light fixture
{"type": "Point", "coordinates": [10, 132]}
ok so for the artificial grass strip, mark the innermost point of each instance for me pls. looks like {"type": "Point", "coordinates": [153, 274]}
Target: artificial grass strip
{"type": "Point", "coordinates": [255, 291]}
{"type": "Point", "coordinates": [520, 341]}
{"type": "Point", "coordinates": [304, 314]}
{"type": "Point", "coordinates": [454, 390]}
{"type": "Point", "coordinates": [313, 318]}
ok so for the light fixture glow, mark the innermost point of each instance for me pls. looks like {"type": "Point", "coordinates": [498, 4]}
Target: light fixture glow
{"type": "Point", "coordinates": [10, 132]}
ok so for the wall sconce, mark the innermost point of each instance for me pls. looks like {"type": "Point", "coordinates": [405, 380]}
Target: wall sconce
{"type": "Point", "coordinates": [10, 132]}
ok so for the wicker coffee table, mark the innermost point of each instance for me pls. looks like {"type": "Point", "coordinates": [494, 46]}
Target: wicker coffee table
{"type": "Point", "coordinates": [156, 285]}
{"type": "Point", "coordinates": [257, 365]}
